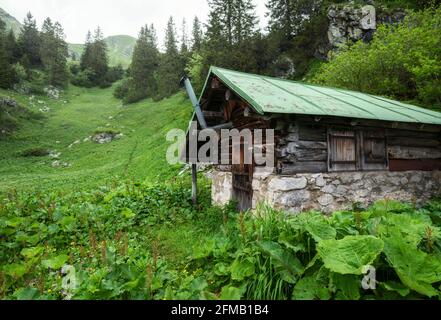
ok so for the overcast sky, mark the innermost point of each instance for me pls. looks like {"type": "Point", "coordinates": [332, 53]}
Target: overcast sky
{"type": "Point", "coordinates": [114, 16]}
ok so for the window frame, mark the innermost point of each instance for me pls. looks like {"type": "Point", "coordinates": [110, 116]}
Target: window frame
{"type": "Point", "coordinates": [360, 163]}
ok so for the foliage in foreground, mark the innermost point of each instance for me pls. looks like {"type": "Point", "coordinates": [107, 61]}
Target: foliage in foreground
{"type": "Point", "coordinates": [109, 239]}
{"type": "Point", "coordinates": [403, 61]}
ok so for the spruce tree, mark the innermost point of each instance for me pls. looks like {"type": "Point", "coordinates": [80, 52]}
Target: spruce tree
{"type": "Point", "coordinates": [29, 41]}
{"type": "Point", "coordinates": [144, 66]}
{"type": "Point", "coordinates": [215, 47]}
{"type": "Point", "coordinates": [86, 56]}
{"type": "Point", "coordinates": [197, 35]}
{"type": "Point", "coordinates": [99, 63]}
{"type": "Point", "coordinates": [184, 52]}
{"type": "Point", "coordinates": [231, 29]}
{"type": "Point", "coordinates": [184, 38]}
{"type": "Point", "coordinates": [54, 53]}
{"type": "Point", "coordinates": [287, 17]}
{"type": "Point", "coordinates": [48, 44]}
{"type": "Point", "coordinates": [170, 67]}
{"type": "Point", "coordinates": [12, 47]}
{"type": "Point", "coordinates": [60, 74]}
{"type": "Point", "coordinates": [7, 76]}
{"type": "Point", "coordinates": [94, 61]}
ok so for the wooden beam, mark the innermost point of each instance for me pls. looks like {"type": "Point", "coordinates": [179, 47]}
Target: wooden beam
{"type": "Point", "coordinates": [411, 153]}
{"type": "Point", "coordinates": [408, 165]}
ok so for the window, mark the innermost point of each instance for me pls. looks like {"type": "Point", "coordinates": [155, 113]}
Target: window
{"type": "Point", "coordinates": [351, 150]}
{"type": "Point", "coordinates": [342, 150]}
{"type": "Point", "coordinates": [374, 152]}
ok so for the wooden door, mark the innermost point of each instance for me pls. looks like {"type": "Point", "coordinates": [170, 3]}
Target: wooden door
{"type": "Point", "coordinates": [242, 182]}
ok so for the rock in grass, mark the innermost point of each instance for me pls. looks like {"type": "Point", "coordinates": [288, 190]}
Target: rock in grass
{"type": "Point", "coordinates": [106, 137]}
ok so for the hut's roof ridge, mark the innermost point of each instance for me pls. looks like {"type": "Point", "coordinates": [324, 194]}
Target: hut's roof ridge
{"type": "Point", "coordinates": [275, 95]}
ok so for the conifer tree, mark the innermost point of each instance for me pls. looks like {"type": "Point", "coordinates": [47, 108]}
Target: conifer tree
{"type": "Point", "coordinates": [184, 38]}
{"type": "Point", "coordinates": [144, 66]}
{"type": "Point", "coordinates": [197, 35]}
{"type": "Point", "coordinates": [94, 61]}
{"type": "Point", "coordinates": [29, 41]}
{"type": "Point", "coordinates": [99, 61]}
{"type": "Point", "coordinates": [231, 29]}
{"type": "Point", "coordinates": [86, 56]}
{"type": "Point", "coordinates": [12, 47]}
{"type": "Point", "coordinates": [170, 67]}
{"type": "Point", "coordinates": [287, 17]}
{"type": "Point", "coordinates": [7, 76]}
{"type": "Point", "coordinates": [54, 53]}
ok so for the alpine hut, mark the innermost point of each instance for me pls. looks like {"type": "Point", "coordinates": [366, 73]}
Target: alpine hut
{"type": "Point", "coordinates": [332, 147]}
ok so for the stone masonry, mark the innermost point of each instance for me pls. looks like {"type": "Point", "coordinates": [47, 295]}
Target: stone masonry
{"type": "Point", "coordinates": [328, 192]}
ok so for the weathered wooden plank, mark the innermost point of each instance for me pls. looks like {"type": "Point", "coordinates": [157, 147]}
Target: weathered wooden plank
{"type": "Point", "coordinates": [412, 134]}
{"type": "Point", "coordinates": [412, 153]}
{"type": "Point", "coordinates": [312, 133]}
{"type": "Point", "coordinates": [311, 155]}
{"type": "Point", "coordinates": [303, 167]}
{"type": "Point", "coordinates": [311, 145]}
{"type": "Point", "coordinates": [412, 142]}
{"type": "Point", "coordinates": [422, 164]}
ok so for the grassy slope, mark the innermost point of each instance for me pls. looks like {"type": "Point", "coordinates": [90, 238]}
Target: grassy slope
{"type": "Point", "coordinates": [139, 155]}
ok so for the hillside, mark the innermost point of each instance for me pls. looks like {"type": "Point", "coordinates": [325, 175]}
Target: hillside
{"type": "Point", "coordinates": [139, 154]}
{"type": "Point", "coordinates": [11, 22]}
{"type": "Point", "coordinates": [120, 49]}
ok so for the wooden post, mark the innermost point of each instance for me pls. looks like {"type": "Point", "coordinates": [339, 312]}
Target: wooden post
{"type": "Point", "coordinates": [194, 183]}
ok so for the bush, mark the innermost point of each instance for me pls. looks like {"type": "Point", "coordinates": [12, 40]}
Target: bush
{"type": "Point", "coordinates": [20, 73]}
{"type": "Point", "coordinates": [114, 74]}
{"type": "Point", "coordinates": [121, 89]}
{"type": "Point", "coordinates": [83, 78]}
{"type": "Point", "coordinates": [403, 61]}
{"type": "Point", "coordinates": [35, 152]}
{"type": "Point", "coordinates": [74, 68]}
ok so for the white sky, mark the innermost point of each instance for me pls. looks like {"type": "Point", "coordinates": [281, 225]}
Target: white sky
{"type": "Point", "coordinates": [115, 17]}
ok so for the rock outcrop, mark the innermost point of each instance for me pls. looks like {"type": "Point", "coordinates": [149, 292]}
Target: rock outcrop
{"type": "Point", "coordinates": [350, 23]}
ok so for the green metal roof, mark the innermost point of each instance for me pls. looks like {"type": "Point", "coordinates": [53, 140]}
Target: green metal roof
{"type": "Point", "coordinates": [273, 95]}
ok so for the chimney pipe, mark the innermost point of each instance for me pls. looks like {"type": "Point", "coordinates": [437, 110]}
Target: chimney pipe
{"type": "Point", "coordinates": [185, 82]}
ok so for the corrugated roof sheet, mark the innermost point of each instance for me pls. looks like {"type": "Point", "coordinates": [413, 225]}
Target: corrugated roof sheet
{"type": "Point", "coordinates": [273, 95]}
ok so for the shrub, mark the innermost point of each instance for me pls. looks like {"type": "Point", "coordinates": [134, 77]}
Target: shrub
{"type": "Point", "coordinates": [35, 152]}
{"type": "Point", "coordinates": [20, 73]}
{"type": "Point", "coordinates": [83, 78]}
{"type": "Point", "coordinates": [121, 89]}
{"type": "Point", "coordinates": [403, 61]}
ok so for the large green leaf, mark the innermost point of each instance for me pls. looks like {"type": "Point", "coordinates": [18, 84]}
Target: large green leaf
{"type": "Point", "coordinates": [287, 265]}
{"type": "Point", "coordinates": [350, 254]}
{"type": "Point", "coordinates": [242, 268]}
{"type": "Point", "coordinates": [230, 293]}
{"type": "Point", "coordinates": [16, 270]}
{"type": "Point", "coordinates": [310, 288]}
{"type": "Point", "coordinates": [30, 253]}
{"type": "Point", "coordinates": [401, 289]}
{"type": "Point", "coordinates": [318, 226]}
{"type": "Point", "coordinates": [56, 262]}
{"type": "Point", "coordinates": [346, 286]}
{"type": "Point", "coordinates": [408, 227]}
{"type": "Point", "coordinates": [415, 268]}
{"type": "Point", "coordinates": [26, 294]}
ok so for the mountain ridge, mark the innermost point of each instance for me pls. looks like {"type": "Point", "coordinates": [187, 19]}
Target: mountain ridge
{"type": "Point", "coordinates": [120, 47]}
{"type": "Point", "coordinates": [11, 22]}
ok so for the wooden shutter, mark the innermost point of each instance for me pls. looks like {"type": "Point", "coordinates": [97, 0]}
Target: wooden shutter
{"type": "Point", "coordinates": [374, 151]}
{"type": "Point", "coordinates": [342, 153]}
